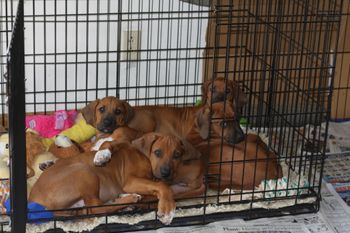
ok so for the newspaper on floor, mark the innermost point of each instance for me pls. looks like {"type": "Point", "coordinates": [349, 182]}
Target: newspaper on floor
{"type": "Point", "coordinates": [334, 217]}
{"type": "Point", "coordinates": [314, 223]}
{"type": "Point", "coordinates": [335, 210]}
{"type": "Point", "coordinates": [234, 227]}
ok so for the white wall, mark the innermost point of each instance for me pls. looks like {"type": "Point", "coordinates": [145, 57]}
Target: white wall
{"type": "Point", "coordinates": [169, 40]}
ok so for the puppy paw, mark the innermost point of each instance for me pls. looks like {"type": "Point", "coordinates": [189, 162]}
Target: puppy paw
{"type": "Point", "coordinates": [166, 219]}
{"type": "Point", "coordinates": [102, 157]}
{"type": "Point", "coordinates": [132, 196]}
{"type": "Point", "coordinates": [63, 141]}
{"type": "Point", "coordinates": [100, 142]}
{"type": "Point", "coordinates": [45, 165]}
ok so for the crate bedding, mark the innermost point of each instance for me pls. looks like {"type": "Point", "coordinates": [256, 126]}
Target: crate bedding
{"type": "Point", "coordinates": [270, 187]}
{"type": "Point", "coordinates": [212, 207]}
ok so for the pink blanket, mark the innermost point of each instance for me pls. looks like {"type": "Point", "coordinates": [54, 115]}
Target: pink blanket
{"type": "Point", "coordinates": [51, 125]}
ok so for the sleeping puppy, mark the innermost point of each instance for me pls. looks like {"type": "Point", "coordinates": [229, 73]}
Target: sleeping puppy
{"type": "Point", "coordinates": [221, 89]}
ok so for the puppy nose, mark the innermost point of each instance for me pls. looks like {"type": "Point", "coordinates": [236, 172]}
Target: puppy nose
{"type": "Point", "coordinates": [107, 121]}
{"type": "Point", "coordinates": [165, 171]}
{"type": "Point", "coordinates": [218, 98]}
{"type": "Point", "coordinates": [238, 136]}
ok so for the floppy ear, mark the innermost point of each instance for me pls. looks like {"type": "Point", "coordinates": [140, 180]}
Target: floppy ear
{"type": "Point", "coordinates": [205, 88]}
{"type": "Point", "coordinates": [144, 144]}
{"type": "Point", "coordinates": [189, 151]}
{"type": "Point", "coordinates": [129, 112]}
{"type": "Point", "coordinates": [89, 112]}
{"type": "Point", "coordinates": [202, 122]}
{"type": "Point", "coordinates": [240, 98]}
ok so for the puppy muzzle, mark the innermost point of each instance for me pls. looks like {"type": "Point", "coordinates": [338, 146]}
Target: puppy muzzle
{"type": "Point", "coordinates": [236, 137]}
{"type": "Point", "coordinates": [107, 125]}
{"type": "Point", "coordinates": [165, 172]}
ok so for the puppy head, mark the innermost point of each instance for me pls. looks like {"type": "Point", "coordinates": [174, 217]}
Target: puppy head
{"type": "Point", "coordinates": [224, 123]}
{"type": "Point", "coordinates": [165, 153]}
{"type": "Point", "coordinates": [108, 114]}
{"type": "Point", "coordinates": [215, 91]}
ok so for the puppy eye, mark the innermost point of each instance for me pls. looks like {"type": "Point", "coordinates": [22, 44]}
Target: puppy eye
{"type": "Point", "coordinates": [223, 124]}
{"type": "Point", "coordinates": [117, 112]}
{"type": "Point", "coordinates": [102, 109]}
{"type": "Point", "coordinates": [228, 91]}
{"type": "Point", "coordinates": [177, 155]}
{"type": "Point", "coordinates": [212, 88]}
{"type": "Point", "coordinates": [158, 153]}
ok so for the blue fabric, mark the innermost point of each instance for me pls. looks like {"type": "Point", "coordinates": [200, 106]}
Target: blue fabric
{"type": "Point", "coordinates": [32, 206]}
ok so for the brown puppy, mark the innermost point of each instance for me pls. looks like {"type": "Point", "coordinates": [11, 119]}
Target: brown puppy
{"type": "Point", "coordinates": [110, 113]}
{"type": "Point", "coordinates": [242, 166]}
{"type": "Point", "coordinates": [222, 121]}
{"type": "Point", "coordinates": [107, 114]}
{"type": "Point", "coordinates": [71, 180]}
{"type": "Point", "coordinates": [177, 168]}
{"type": "Point", "coordinates": [240, 162]}
{"type": "Point", "coordinates": [221, 89]}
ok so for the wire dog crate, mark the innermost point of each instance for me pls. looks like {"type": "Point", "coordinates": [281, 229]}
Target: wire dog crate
{"type": "Point", "coordinates": [281, 53]}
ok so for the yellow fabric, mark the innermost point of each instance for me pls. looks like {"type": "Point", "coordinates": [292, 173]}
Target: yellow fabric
{"type": "Point", "coordinates": [48, 141]}
{"type": "Point", "coordinates": [80, 132]}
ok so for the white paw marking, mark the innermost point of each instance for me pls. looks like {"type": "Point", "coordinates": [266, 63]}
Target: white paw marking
{"type": "Point", "coordinates": [102, 157]}
{"type": "Point", "coordinates": [137, 196]}
{"type": "Point", "coordinates": [78, 204]}
{"type": "Point", "coordinates": [166, 219]}
{"type": "Point", "coordinates": [99, 143]}
{"type": "Point", "coordinates": [63, 141]}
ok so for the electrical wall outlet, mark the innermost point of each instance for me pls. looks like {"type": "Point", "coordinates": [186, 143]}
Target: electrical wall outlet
{"type": "Point", "coordinates": [131, 45]}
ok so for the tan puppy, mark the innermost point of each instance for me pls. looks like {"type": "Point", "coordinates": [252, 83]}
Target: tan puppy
{"type": "Point", "coordinates": [110, 113]}
{"type": "Point", "coordinates": [221, 89]}
{"type": "Point", "coordinates": [107, 114]}
{"type": "Point", "coordinates": [242, 166]}
{"type": "Point", "coordinates": [129, 171]}
{"type": "Point", "coordinates": [237, 163]}
{"type": "Point", "coordinates": [182, 170]}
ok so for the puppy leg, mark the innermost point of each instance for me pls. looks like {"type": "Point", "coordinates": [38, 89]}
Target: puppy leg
{"type": "Point", "coordinates": [119, 203]}
{"type": "Point", "coordinates": [99, 143]}
{"type": "Point", "coordinates": [102, 157]}
{"type": "Point", "coordinates": [187, 191]}
{"type": "Point", "coordinates": [99, 207]}
{"type": "Point", "coordinates": [166, 203]}
{"type": "Point", "coordinates": [104, 148]}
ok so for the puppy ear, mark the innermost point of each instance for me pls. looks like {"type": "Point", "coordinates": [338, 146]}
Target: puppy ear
{"type": "Point", "coordinates": [205, 88]}
{"type": "Point", "coordinates": [189, 151]}
{"type": "Point", "coordinates": [240, 98]}
{"type": "Point", "coordinates": [89, 112]}
{"type": "Point", "coordinates": [202, 122]}
{"type": "Point", "coordinates": [145, 143]}
{"type": "Point", "coordinates": [129, 112]}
